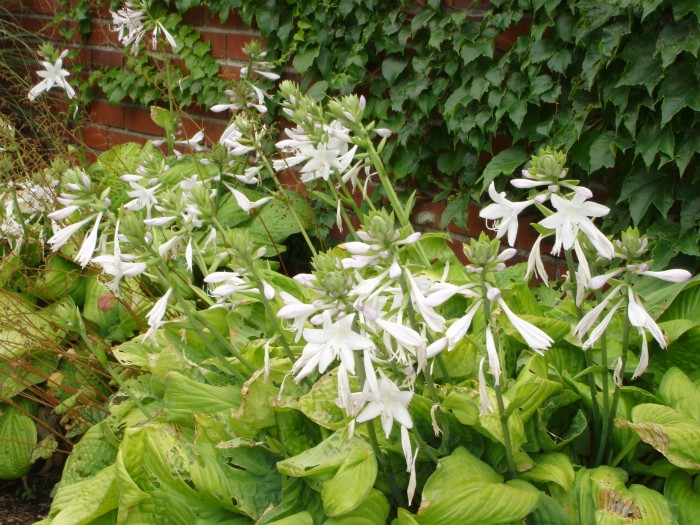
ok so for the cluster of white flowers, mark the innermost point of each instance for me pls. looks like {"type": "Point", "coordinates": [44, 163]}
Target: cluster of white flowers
{"type": "Point", "coordinates": [318, 159]}
{"type": "Point", "coordinates": [571, 216]}
{"type": "Point", "coordinates": [132, 22]}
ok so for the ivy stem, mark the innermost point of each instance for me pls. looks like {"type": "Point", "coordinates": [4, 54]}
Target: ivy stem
{"type": "Point", "coordinates": [595, 409]}
{"type": "Point", "coordinates": [497, 383]}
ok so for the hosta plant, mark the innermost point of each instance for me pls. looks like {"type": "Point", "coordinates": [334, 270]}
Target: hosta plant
{"type": "Point", "coordinates": [394, 382]}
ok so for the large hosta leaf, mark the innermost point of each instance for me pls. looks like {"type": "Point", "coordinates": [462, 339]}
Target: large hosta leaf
{"type": "Point", "coordinates": [669, 431]}
{"type": "Point", "coordinates": [324, 458]}
{"type": "Point", "coordinates": [84, 501]}
{"type": "Point", "coordinates": [373, 510]}
{"type": "Point", "coordinates": [601, 497]}
{"type": "Point", "coordinates": [466, 490]}
{"type": "Point", "coordinates": [351, 484]}
{"type": "Point", "coordinates": [679, 392]}
{"type": "Point", "coordinates": [684, 494]}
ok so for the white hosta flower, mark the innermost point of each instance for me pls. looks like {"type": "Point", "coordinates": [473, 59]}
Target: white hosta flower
{"type": "Point", "coordinates": [118, 265]}
{"type": "Point", "coordinates": [230, 283]}
{"type": "Point", "coordinates": [457, 330]}
{"type": "Point", "coordinates": [62, 236]}
{"type": "Point", "coordinates": [535, 264]}
{"type": "Point", "coordinates": [640, 318]}
{"type": "Point", "coordinates": [160, 28]}
{"type": "Point", "coordinates": [53, 75]}
{"type": "Point", "coordinates": [128, 23]}
{"type": "Point", "coordinates": [492, 354]}
{"type": "Point", "coordinates": [297, 311]}
{"type": "Point", "coordinates": [588, 320]}
{"type": "Point", "coordinates": [597, 282]}
{"type": "Point", "coordinates": [155, 316]}
{"type": "Point", "coordinates": [404, 335]}
{"type": "Point", "coordinates": [231, 139]}
{"type": "Point", "coordinates": [142, 198]}
{"type": "Point", "coordinates": [599, 330]}
{"type": "Point", "coordinates": [485, 406]}
{"type": "Point", "coordinates": [673, 276]}
{"type": "Point", "coordinates": [87, 249]}
{"type": "Point", "coordinates": [244, 202]}
{"type": "Point", "coordinates": [336, 340]}
{"type": "Point", "coordinates": [389, 403]}
{"type": "Point", "coordinates": [571, 217]}
{"type": "Point", "coordinates": [195, 142]}
{"type": "Point", "coordinates": [434, 320]}
{"type": "Point", "coordinates": [504, 213]}
{"type": "Point", "coordinates": [583, 273]}
{"type": "Point", "coordinates": [63, 213]}
{"type": "Point", "coordinates": [617, 372]}
{"type": "Point", "coordinates": [268, 290]}
{"type": "Point", "coordinates": [535, 338]}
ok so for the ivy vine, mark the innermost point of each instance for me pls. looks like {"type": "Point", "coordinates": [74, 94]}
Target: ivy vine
{"type": "Point", "coordinates": [471, 92]}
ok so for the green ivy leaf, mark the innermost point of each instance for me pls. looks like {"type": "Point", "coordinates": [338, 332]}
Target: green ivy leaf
{"type": "Point", "coordinates": [603, 150]}
{"type": "Point", "coordinates": [305, 57]}
{"type": "Point", "coordinates": [641, 68]}
{"type": "Point", "coordinates": [392, 67]}
{"type": "Point", "coordinates": [506, 162]}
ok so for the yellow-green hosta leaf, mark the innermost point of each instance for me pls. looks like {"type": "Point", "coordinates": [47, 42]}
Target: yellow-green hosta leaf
{"type": "Point", "coordinates": [373, 510]}
{"type": "Point", "coordinates": [18, 436]}
{"type": "Point", "coordinates": [552, 467]}
{"type": "Point", "coordinates": [684, 494]}
{"type": "Point", "coordinates": [320, 406]}
{"type": "Point", "coordinates": [601, 497]}
{"type": "Point", "coordinates": [531, 389]}
{"type": "Point", "coordinates": [678, 391]}
{"type": "Point", "coordinates": [161, 508]}
{"type": "Point", "coordinates": [82, 502]}
{"type": "Point", "coordinates": [351, 484]}
{"type": "Point", "coordinates": [548, 512]}
{"type": "Point", "coordinates": [405, 518]}
{"type": "Point", "coordinates": [669, 431]}
{"type": "Point", "coordinates": [183, 396]}
{"type": "Point", "coordinates": [324, 458]}
{"type": "Point", "coordinates": [466, 490]}
{"type": "Point", "coordinates": [91, 454]}
{"type": "Point", "coordinates": [300, 518]}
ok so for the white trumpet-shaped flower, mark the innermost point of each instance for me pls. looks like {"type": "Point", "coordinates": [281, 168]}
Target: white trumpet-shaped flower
{"type": "Point", "coordinates": [155, 316]}
{"type": "Point", "coordinates": [492, 355]}
{"type": "Point", "coordinates": [504, 213]}
{"type": "Point", "coordinates": [87, 249]}
{"type": "Point", "coordinates": [535, 338]}
{"type": "Point", "coordinates": [118, 265]}
{"type": "Point", "coordinates": [245, 203]}
{"type": "Point", "coordinates": [53, 75]}
{"type": "Point", "coordinates": [571, 217]}
{"type": "Point", "coordinates": [389, 403]}
{"type": "Point", "coordinates": [335, 340]}
{"type": "Point", "coordinates": [62, 236]}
